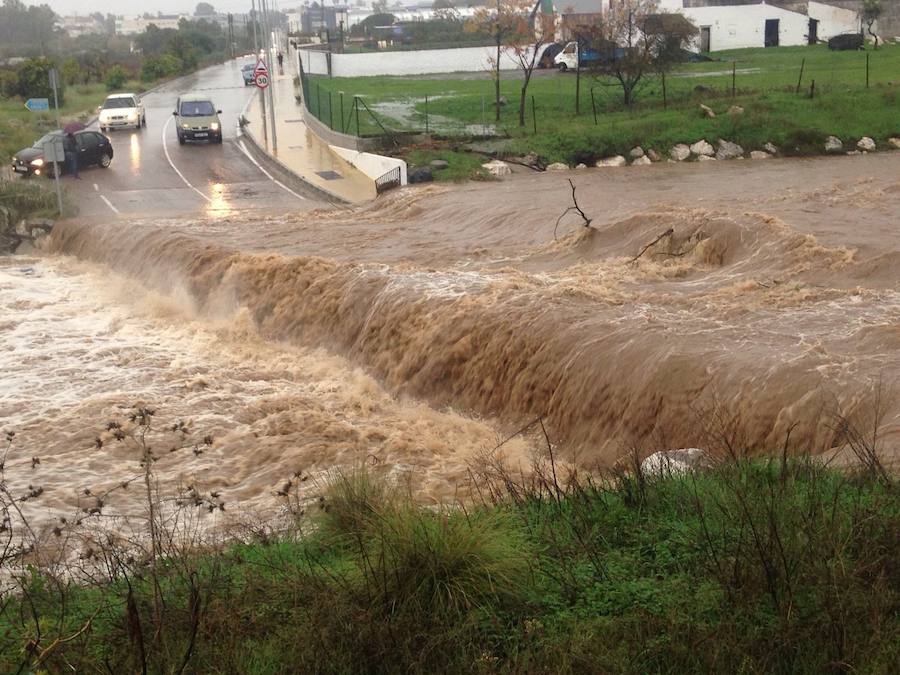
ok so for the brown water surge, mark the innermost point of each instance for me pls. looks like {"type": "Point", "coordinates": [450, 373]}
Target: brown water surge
{"type": "Point", "coordinates": [733, 310]}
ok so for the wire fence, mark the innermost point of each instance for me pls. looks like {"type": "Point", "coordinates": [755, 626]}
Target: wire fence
{"type": "Point", "coordinates": [557, 98]}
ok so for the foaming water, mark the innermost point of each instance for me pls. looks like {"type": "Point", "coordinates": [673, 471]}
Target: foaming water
{"type": "Point", "coordinates": [82, 347]}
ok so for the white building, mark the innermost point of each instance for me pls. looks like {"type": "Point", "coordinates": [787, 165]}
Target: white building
{"type": "Point", "coordinates": [76, 26]}
{"type": "Point", "coordinates": [138, 24]}
{"type": "Point", "coordinates": [737, 24]}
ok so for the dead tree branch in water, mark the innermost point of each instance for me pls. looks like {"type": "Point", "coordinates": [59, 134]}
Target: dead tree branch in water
{"type": "Point", "coordinates": [576, 208]}
{"type": "Point", "coordinates": [665, 234]}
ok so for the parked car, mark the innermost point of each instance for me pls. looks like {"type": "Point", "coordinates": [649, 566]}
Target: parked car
{"type": "Point", "coordinates": [248, 72]}
{"type": "Point", "coordinates": [845, 42]}
{"type": "Point", "coordinates": [198, 119]}
{"type": "Point", "coordinates": [93, 148]}
{"type": "Point", "coordinates": [122, 110]}
{"type": "Point", "coordinates": [549, 54]}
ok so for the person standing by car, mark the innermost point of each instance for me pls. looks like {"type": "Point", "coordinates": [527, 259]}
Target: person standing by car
{"type": "Point", "coordinates": [70, 148]}
{"type": "Point", "coordinates": [280, 58]}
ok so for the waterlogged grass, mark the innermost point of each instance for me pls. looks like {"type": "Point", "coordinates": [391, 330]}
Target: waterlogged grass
{"type": "Point", "coordinates": [749, 567]}
{"type": "Point", "coordinates": [765, 83]}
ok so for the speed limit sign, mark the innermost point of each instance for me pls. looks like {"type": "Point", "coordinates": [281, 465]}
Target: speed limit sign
{"type": "Point", "coordinates": [262, 80]}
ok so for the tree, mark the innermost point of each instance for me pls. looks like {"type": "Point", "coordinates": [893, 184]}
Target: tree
{"type": "Point", "coordinates": [115, 78]}
{"type": "Point", "coordinates": [34, 80]}
{"type": "Point", "coordinates": [871, 10]}
{"type": "Point", "coordinates": [632, 41]}
{"type": "Point", "coordinates": [204, 9]}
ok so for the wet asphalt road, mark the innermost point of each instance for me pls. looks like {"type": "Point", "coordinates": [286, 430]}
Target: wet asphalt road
{"type": "Point", "coordinates": [151, 174]}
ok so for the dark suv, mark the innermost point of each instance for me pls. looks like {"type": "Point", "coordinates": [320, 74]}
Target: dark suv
{"type": "Point", "coordinates": [92, 148]}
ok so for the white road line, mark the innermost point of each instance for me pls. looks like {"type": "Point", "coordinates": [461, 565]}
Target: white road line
{"type": "Point", "coordinates": [96, 188]}
{"type": "Point", "coordinates": [267, 174]}
{"type": "Point", "coordinates": [172, 164]}
{"type": "Point", "coordinates": [109, 204]}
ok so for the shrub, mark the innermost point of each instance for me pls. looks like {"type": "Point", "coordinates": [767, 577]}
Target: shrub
{"type": "Point", "coordinates": [115, 78]}
{"type": "Point", "coordinates": [34, 80]}
{"type": "Point", "coordinates": [158, 67]}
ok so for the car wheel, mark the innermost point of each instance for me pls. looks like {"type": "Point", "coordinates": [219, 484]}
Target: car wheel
{"type": "Point", "coordinates": [563, 68]}
{"type": "Point", "coordinates": [143, 120]}
{"type": "Point", "coordinates": [180, 140]}
{"type": "Point", "coordinates": [218, 139]}
{"type": "Point", "coordinates": [104, 161]}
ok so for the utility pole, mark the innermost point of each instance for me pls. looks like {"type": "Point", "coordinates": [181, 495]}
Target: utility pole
{"type": "Point", "coordinates": [253, 19]}
{"type": "Point", "coordinates": [54, 84]}
{"type": "Point", "coordinates": [231, 33]}
{"type": "Point", "coordinates": [262, 92]}
{"type": "Point", "coordinates": [270, 88]}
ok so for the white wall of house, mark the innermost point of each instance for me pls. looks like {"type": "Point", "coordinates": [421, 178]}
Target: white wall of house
{"type": "Point", "coordinates": [740, 26]}
{"type": "Point", "coordinates": [419, 62]}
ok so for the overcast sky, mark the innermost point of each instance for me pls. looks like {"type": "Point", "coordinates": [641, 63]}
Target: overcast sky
{"type": "Point", "coordinates": [67, 7]}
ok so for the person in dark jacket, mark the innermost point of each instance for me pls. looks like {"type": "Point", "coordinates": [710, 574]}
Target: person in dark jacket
{"type": "Point", "coordinates": [71, 149]}
{"type": "Point", "coordinates": [280, 58]}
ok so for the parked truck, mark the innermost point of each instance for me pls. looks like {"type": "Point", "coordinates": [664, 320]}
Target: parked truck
{"type": "Point", "coordinates": [571, 57]}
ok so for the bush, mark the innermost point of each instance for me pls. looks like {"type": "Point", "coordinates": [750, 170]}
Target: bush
{"type": "Point", "coordinates": [158, 67]}
{"type": "Point", "coordinates": [115, 78]}
{"type": "Point", "coordinates": [34, 80]}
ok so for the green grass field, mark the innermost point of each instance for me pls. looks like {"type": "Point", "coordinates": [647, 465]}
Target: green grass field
{"type": "Point", "coordinates": [765, 82]}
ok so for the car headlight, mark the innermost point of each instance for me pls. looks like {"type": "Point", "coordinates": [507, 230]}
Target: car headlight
{"type": "Point", "coordinates": [214, 126]}
{"type": "Point", "coordinates": [185, 126]}
{"type": "Point", "coordinates": [132, 115]}
{"type": "Point", "coordinates": [37, 162]}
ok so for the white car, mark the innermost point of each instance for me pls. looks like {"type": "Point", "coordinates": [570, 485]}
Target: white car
{"type": "Point", "coordinates": [122, 110]}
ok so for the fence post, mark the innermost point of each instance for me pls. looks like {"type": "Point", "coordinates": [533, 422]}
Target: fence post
{"type": "Point", "coordinates": [318, 101]}
{"type": "Point", "coordinates": [593, 106]}
{"type": "Point", "coordinates": [812, 89]}
{"type": "Point", "coordinates": [665, 102]}
{"type": "Point", "coordinates": [343, 124]}
{"type": "Point", "coordinates": [483, 121]}
{"type": "Point", "coordinates": [330, 111]}
{"type": "Point", "coordinates": [426, 113]}
{"type": "Point", "coordinates": [577, 80]}
{"type": "Point", "coordinates": [867, 70]}
{"type": "Point", "coordinates": [356, 106]}
{"type": "Point", "coordinates": [533, 115]}
{"type": "Point", "coordinates": [800, 79]}
{"type": "Point", "coordinates": [733, 76]}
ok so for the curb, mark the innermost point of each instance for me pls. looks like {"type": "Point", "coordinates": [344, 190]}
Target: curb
{"type": "Point", "coordinates": [281, 167]}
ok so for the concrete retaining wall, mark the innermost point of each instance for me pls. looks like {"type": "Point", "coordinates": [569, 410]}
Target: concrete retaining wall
{"type": "Point", "coordinates": [420, 62]}
{"type": "Point", "coordinates": [374, 166]}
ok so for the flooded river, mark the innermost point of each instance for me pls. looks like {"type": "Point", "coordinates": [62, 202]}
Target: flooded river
{"type": "Point", "coordinates": [417, 332]}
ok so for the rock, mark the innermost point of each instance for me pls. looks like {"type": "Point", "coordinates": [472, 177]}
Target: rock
{"type": "Point", "coordinates": [729, 150]}
{"type": "Point", "coordinates": [735, 110]}
{"type": "Point", "coordinates": [640, 161]}
{"type": "Point", "coordinates": [865, 144]}
{"type": "Point", "coordinates": [636, 152]}
{"type": "Point", "coordinates": [833, 144]}
{"type": "Point", "coordinates": [618, 160]}
{"type": "Point", "coordinates": [759, 154]}
{"type": "Point", "coordinates": [706, 111]}
{"type": "Point", "coordinates": [771, 149]}
{"type": "Point", "coordinates": [847, 41]}
{"type": "Point", "coordinates": [421, 174]}
{"type": "Point", "coordinates": [702, 148]}
{"type": "Point", "coordinates": [702, 89]}
{"type": "Point", "coordinates": [855, 152]}
{"type": "Point", "coordinates": [33, 228]}
{"type": "Point", "coordinates": [894, 143]}
{"type": "Point", "coordinates": [669, 462]}
{"type": "Point", "coordinates": [705, 158]}
{"type": "Point", "coordinates": [438, 164]}
{"type": "Point", "coordinates": [497, 168]}
{"type": "Point", "coordinates": [557, 166]}
{"type": "Point", "coordinates": [580, 166]}
{"type": "Point", "coordinates": [502, 101]}
{"type": "Point", "coordinates": [654, 155]}
{"type": "Point", "coordinates": [531, 158]}
{"type": "Point", "coordinates": [680, 152]}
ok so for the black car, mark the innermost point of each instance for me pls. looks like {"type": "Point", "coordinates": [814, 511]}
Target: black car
{"type": "Point", "coordinates": [92, 148]}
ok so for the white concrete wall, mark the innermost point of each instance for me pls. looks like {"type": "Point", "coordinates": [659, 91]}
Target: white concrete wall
{"type": "Point", "coordinates": [421, 62]}
{"type": "Point", "coordinates": [741, 26]}
{"type": "Point", "coordinates": [833, 20]}
{"type": "Point", "coordinates": [374, 166]}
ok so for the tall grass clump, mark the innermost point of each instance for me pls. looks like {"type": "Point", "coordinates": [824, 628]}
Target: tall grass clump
{"type": "Point", "coordinates": [27, 198]}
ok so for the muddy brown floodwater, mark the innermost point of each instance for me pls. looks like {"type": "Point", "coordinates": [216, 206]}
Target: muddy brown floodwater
{"type": "Point", "coordinates": [417, 331]}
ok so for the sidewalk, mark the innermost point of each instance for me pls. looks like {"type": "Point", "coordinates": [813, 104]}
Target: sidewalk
{"type": "Point", "coordinates": [301, 151]}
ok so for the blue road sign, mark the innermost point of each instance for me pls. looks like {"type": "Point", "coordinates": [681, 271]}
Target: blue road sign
{"type": "Point", "coordinates": [34, 104]}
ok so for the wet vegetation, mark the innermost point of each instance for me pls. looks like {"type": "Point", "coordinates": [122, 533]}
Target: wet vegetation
{"type": "Point", "coordinates": [855, 95]}
{"type": "Point", "coordinates": [752, 566]}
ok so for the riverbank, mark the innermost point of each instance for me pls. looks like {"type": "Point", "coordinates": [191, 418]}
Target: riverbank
{"type": "Point", "coordinates": [758, 567]}
{"type": "Point", "coordinates": [854, 96]}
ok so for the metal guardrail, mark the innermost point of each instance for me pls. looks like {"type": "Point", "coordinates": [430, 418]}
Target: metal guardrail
{"type": "Point", "coordinates": [389, 180]}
